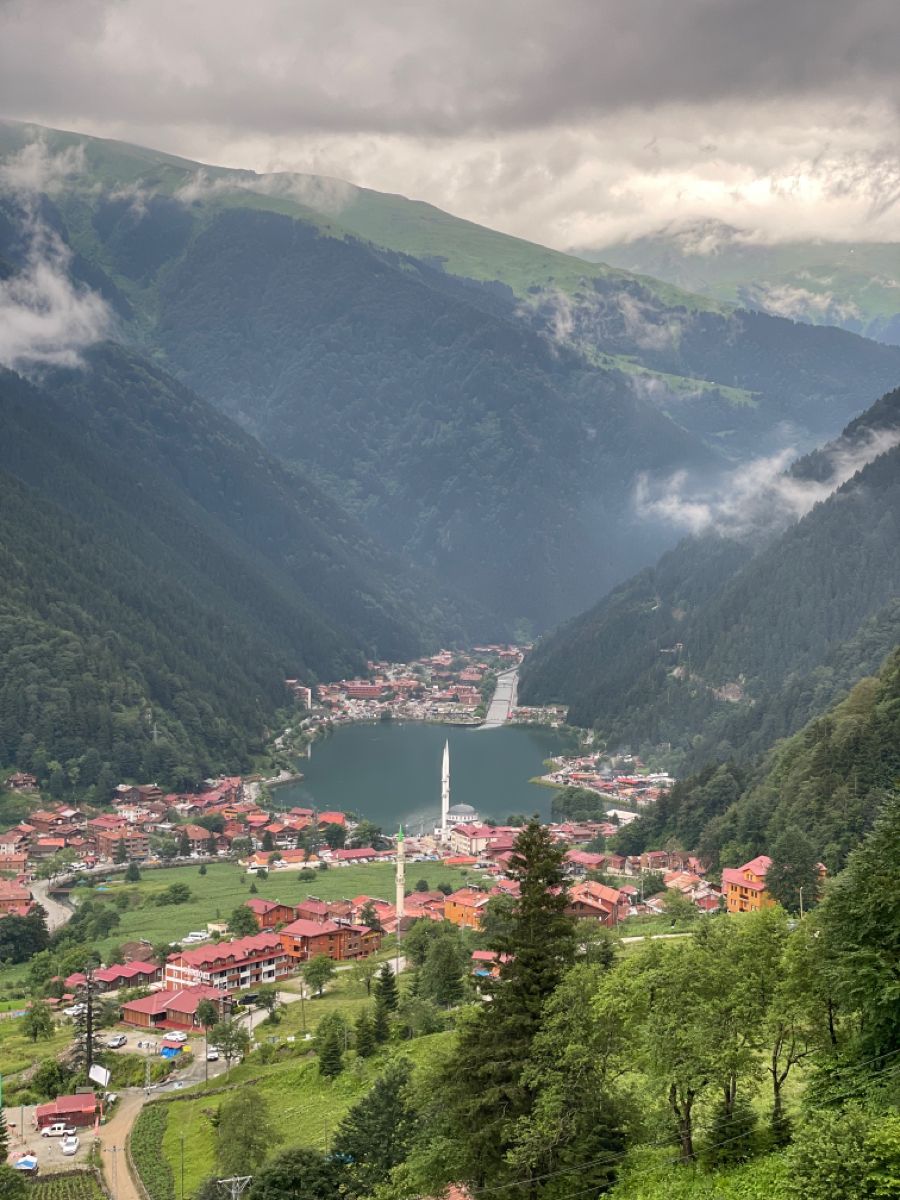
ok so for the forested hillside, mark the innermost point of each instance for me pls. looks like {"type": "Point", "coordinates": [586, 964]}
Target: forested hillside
{"type": "Point", "coordinates": [726, 645]}
{"type": "Point", "coordinates": [485, 405]}
{"type": "Point", "coordinates": [829, 780]}
{"type": "Point", "coordinates": [161, 570]}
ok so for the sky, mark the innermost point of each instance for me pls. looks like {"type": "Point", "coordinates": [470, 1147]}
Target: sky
{"type": "Point", "coordinates": [574, 123]}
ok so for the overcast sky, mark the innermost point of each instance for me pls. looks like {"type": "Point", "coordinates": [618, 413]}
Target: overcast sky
{"type": "Point", "coordinates": [570, 122]}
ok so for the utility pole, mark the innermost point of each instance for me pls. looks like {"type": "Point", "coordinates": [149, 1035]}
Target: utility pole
{"type": "Point", "coordinates": [235, 1185]}
{"type": "Point", "coordinates": [801, 903]}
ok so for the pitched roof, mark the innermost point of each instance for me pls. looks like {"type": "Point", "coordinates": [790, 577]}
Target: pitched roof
{"type": "Point", "coordinates": [304, 928]}
{"type": "Point", "coordinates": [237, 948]}
{"type": "Point", "coordinates": [183, 1000]}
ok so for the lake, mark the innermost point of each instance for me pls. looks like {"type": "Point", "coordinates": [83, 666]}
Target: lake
{"type": "Point", "coordinates": [391, 773]}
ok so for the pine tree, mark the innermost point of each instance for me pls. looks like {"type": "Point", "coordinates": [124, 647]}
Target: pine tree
{"type": "Point", "coordinates": [484, 1093]}
{"type": "Point", "coordinates": [331, 1056]}
{"type": "Point", "coordinates": [386, 988]}
{"type": "Point", "coordinates": [365, 1035]}
{"type": "Point", "coordinates": [381, 1025]}
{"type": "Point", "coordinates": [441, 978]}
{"type": "Point", "coordinates": [378, 1131]}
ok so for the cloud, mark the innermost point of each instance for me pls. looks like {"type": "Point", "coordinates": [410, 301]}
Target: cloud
{"type": "Point", "coordinates": [316, 192]}
{"type": "Point", "coordinates": [35, 168]}
{"type": "Point", "coordinates": [44, 320]}
{"type": "Point", "coordinates": [760, 496]}
{"type": "Point", "coordinates": [575, 125]}
{"type": "Point", "coordinates": [799, 303]}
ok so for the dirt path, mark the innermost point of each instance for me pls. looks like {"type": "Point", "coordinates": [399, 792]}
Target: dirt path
{"type": "Point", "coordinates": [112, 1141]}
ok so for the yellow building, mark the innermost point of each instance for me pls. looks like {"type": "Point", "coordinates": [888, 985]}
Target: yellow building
{"type": "Point", "coordinates": [744, 887]}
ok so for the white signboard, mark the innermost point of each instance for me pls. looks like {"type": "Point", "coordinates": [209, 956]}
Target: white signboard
{"type": "Point", "coordinates": [99, 1074]}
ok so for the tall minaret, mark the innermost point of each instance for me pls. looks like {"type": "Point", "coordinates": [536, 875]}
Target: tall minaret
{"type": "Point", "coordinates": [445, 793]}
{"type": "Point", "coordinates": [401, 878]}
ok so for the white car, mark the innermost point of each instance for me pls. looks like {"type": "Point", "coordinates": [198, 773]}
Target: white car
{"type": "Point", "coordinates": [70, 1145]}
{"type": "Point", "coordinates": [115, 1042]}
{"type": "Point", "coordinates": [177, 1036]}
{"type": "Point", "coordinates": [212, 1054]}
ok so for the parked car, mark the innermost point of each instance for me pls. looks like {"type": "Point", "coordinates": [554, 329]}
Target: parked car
{"type": "Point", "coordinates": [176, 1036]}
{"type": "Point", "coordinates": [58, 1129]}
{"type": "Point", "coordinates": [212, 1054]}
{"type": "Point", "coordinates": [70, 1145]}
{"type": "Point", "coordinates": [115, 1042]}
{"type": "Point", "coordinates": [74, 1010]}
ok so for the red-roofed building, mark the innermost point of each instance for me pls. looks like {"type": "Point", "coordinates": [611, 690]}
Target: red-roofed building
{"type": "Point", "coordinates": [119, 975]}
{"type": "Point", "coordinates": [175, 1008]}
{"type": "Point", "coordinates": [465, 907]}
{"type": "Point", "coordinates": [312, 909]}
{"type": "Point", "coordinates": [80, 1109]}
{"type": "Point", "coordinates": [745, 887]}
{"type": "Point", "coordinates": [200, 839]}
{"type": "Point", "coordinates": [362, 854]}
{"type": "Point", "coordinates": [239, 963]}
{"type": "Point", "coordinates": [331, 818]}
{"type": "Point", "coordinates": [582, 861]}
{"type": "Point", "coordinates": [270, 913]}
{"type": "Point", "coordinates": [110, 842]}
{"type": "Point", "coordinates": [471, 838]}
{"type": "Point", "coordinates": [607, 905]}
{"type": "Point", "coordinates": [303, 940]}
{"type": "Point", "coordinates": [13, 897]}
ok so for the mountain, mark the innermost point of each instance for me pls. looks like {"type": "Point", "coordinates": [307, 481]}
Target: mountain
{"type": "Point", "coordinates": [830, 780]}
{"type": "Point", "coordinates": [484, 406]}
{"type": "Point", "coordinates": [160, 569]}
{"type": "Point", "coordinates": [730, 642]}
{"type": "Point", "coordinates": [853, 285]}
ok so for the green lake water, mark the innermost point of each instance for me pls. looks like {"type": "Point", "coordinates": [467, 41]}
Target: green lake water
{"type": "Point", "coordinates": [391, 773]}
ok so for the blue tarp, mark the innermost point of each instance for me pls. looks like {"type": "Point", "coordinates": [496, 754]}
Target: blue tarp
{"type": "Point", "coordinates": [170, 1051]}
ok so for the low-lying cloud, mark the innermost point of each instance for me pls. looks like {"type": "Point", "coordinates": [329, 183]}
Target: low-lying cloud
{"type": "Point", "coordinates": [317, 192]}
{"type": "Point", "coordinates": [44, 319]}
{"type": "Point", "coordinates": [35, 168]}
{"type": "Point", "coordinates": [759, 496]}
{"type": "Point", "coordinates": [801, 304]}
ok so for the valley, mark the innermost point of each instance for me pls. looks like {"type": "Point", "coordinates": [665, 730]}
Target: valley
{"type": "Point", "coordinates": [449, 696]}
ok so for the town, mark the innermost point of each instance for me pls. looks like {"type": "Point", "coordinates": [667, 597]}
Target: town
{"type": "Point", "coordinates": [450, 687]}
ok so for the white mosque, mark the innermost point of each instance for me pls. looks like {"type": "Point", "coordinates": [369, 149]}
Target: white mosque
{"type": "Point", "coordinates": [457, 814]}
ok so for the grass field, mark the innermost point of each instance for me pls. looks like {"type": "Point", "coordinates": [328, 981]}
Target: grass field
{"type": "Point", "coordinates": [304, 1107]}
{"type": "Point", "coordinates": [225, 885]}
{"type": "Point", "coordinates": [17, 1051]}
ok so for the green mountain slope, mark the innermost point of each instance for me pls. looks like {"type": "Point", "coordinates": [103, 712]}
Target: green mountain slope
{"type": "Point", "coordinates": [850, 284]}
{"type": "Point", "coordinates": [486, 407]}
{"type": "Point", "coordinates": [157, 561]}
{"type": "Point", "coordinates": [727, 644]}
{"type": "Point", "coordinates": [830, 780]}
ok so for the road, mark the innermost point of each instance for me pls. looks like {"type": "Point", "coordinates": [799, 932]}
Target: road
{"type": "Point", "coordinates": [57, 914]}
{"type": "Point", "coordinates": [504, 700]}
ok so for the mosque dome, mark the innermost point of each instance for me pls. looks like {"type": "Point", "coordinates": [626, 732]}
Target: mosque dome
{"type": "Point", "coordinates": [460, 814]}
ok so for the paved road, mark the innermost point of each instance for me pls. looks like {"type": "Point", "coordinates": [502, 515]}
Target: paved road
{"type": "Point", "coordinates": [57, 914]}
{"type": "Point", "coordinates": [504, 701]}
